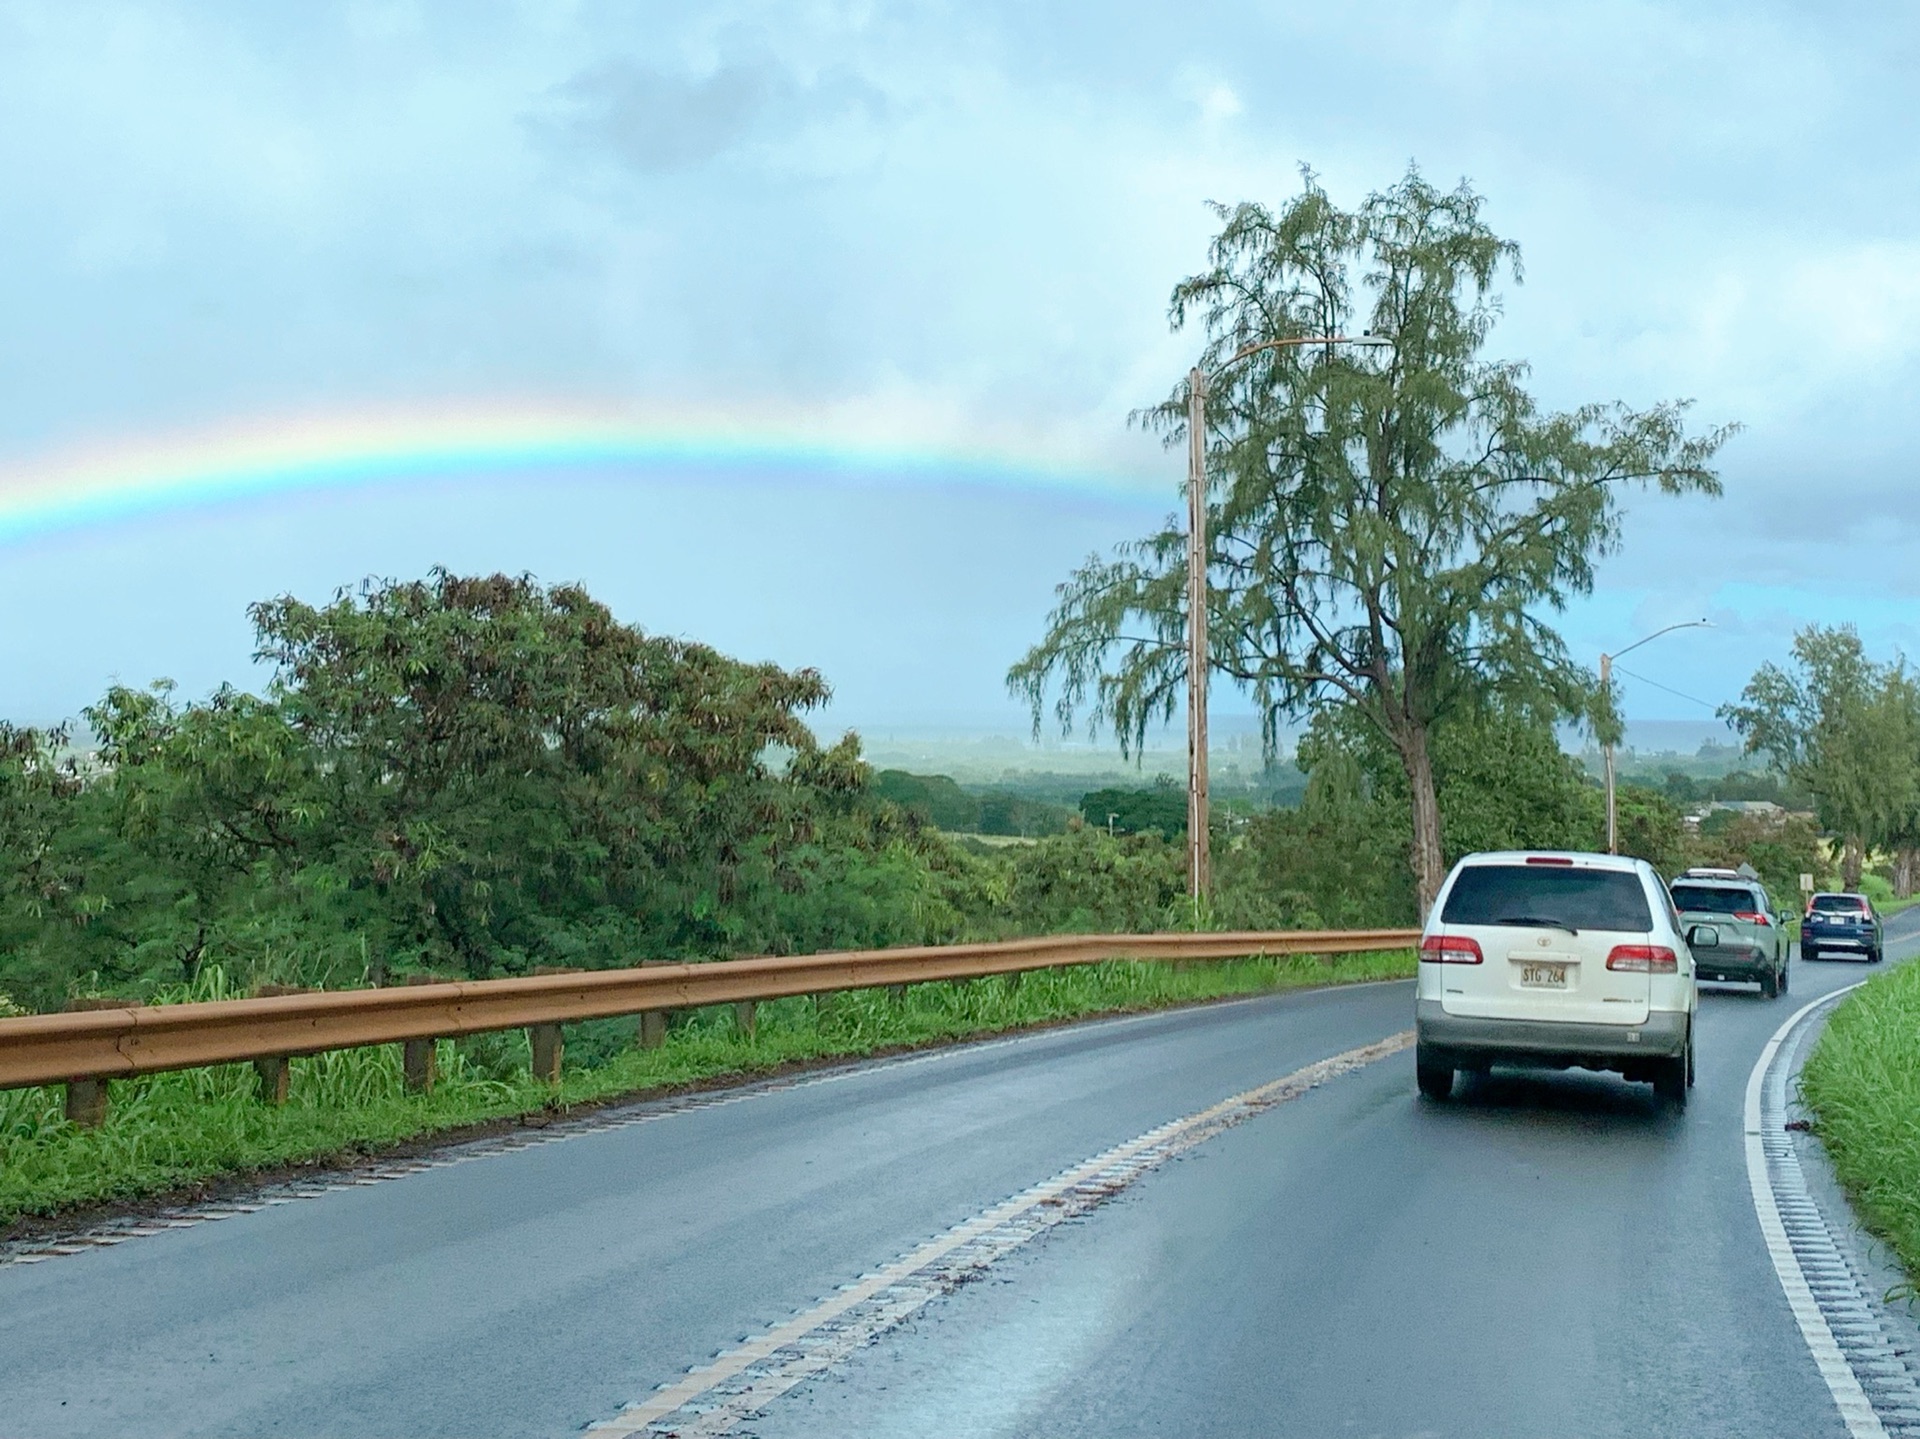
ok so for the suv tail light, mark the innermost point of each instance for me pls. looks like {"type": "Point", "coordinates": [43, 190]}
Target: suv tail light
{"type": "Point", "coordinates": [1643, 959]}
{"type": "Point", "coordinates": [1450, 949]}
{"type": "Point", "coordinates": [1750, 916]}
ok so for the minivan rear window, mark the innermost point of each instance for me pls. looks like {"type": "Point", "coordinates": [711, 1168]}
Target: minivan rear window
{"type": "Point", "coordinates": [1715, 899]}
{"type": "Point", "coordinates": [1572, 898]}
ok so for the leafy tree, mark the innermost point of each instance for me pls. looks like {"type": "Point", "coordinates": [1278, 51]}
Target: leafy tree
{"type": "Point", "coordinates": [1338, 861]}
{"type": "Point", "coordinates": [1780, 848]}
{"type": "Point", "coordinates": [1844, 728]}
{"type": "Point", "coordinates": [1651, 828]}
{"type": "Point", "coordinates": [1388, 535]}
{"type": "Point", "coordinates": [1161, 808]}
{"type": "Point", "coordinates": [935, 796]}
{"type": "Point", "coordinates": [1086, 882]}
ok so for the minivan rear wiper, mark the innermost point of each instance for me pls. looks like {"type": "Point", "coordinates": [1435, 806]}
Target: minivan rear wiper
{"type": "Point", "coordinates": [1542, 921]}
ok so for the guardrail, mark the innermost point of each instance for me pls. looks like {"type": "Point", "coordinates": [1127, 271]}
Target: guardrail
{"type": "Point", "coordinates": [84, 1049]}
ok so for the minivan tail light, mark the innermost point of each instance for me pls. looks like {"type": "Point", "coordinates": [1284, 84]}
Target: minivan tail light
{"type": "Point", "coordinates": [1643, 959]}
{"type": "Point", "coordinates": [1750, 916]}
{"type": "Point", "coordinates": [1450, 949]}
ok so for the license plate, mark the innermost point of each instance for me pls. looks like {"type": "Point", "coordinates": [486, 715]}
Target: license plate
{"type": "Point", "coordinates": [1543, 976]}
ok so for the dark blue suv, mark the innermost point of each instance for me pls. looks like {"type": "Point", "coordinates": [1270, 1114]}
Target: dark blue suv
{"type": "Point", "coordinates": [1840, 921]}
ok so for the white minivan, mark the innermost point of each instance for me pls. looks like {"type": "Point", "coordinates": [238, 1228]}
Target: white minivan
{"type": "Point", "coordinates": [1556, 960]}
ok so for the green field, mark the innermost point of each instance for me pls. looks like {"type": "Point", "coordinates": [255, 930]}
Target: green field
{"type": "Point", "coordinates": [172, 1134]}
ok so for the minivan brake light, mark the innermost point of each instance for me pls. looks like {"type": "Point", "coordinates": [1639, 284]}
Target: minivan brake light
{"type": "Point", "coordinates": [1450, 949]}
{"type": "Point", "coordinates": [1643, 959]}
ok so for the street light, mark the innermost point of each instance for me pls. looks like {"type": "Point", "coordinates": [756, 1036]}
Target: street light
{"type": "Point", "coordinates": [1606, 692]}
{"type": "Point", "coordinates": [1199, 858]}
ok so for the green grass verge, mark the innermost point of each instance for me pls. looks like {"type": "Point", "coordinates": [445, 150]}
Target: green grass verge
{"type": "Point", "coordinates": [1863, 1084]}
{"type": "Point", "coordinates": [171, 1132]}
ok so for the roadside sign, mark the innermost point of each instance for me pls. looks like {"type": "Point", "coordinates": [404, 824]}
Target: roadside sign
{"type": "Point", "coordinates": [1806, 884]}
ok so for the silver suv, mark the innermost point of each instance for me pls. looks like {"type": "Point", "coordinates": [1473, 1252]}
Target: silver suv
{"type": "Point", "coordinates": [1556, 960]}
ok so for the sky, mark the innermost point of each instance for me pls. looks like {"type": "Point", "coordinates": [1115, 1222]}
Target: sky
{"type": "Point", "coordinates": [945, 231]}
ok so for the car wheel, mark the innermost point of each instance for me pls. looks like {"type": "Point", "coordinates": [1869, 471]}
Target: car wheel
{"type": "Point", "coordinates": [1769, 985]}
{"type": "Point", "coordinates": [1809, 951]}
{"type": "Point", "coordinates": [1433, 1074]}
{"type": "Point", "coordinates": [1784, 966]}
{"type": "Point", "coordinates": [1670, 1078]}
{"type": "Point", "coordinates": [1873, 956]}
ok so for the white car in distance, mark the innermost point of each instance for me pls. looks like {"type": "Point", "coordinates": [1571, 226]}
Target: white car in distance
{"type": "Point", "coordinates": [1556, 960]}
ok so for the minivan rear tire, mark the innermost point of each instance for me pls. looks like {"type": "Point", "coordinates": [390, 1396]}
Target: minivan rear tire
{"type": "Point", "coordinates": [1433, 1074]}
{"type": "Point", "coordinates": [1769, 985]}
{"type": "Point", "coordinates": [1673, 1076]}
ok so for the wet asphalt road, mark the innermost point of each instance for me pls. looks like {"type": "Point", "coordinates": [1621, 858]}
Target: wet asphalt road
{"type": "Point", "coordinates": [1547, 1255]}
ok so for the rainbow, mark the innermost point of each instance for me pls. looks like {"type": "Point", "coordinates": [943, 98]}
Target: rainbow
{"type": "Point", "coordinates": [291, 455]}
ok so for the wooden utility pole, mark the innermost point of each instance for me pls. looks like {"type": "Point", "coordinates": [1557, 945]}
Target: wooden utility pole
{"type": "Point", "coordinates": [1606, 752]}
{"type": "Point", "coordinates": [1199, 859]}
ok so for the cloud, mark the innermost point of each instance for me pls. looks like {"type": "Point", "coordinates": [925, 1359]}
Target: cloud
{"type": "Point", "coordinates": [654, 121]}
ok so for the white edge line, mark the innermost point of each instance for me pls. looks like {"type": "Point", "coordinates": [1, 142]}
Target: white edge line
{"type": "Point", "coordinates": [1856, 1410]}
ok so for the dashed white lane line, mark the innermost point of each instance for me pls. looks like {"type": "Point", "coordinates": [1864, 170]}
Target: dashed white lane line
{"type": "Point", "coordinates": [714, 1398]}
{"type": "Point", "coordinates": [1836, 1317]}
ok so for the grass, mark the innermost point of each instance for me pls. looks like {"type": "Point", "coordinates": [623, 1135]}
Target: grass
{"type": "Point", "coordinates": [1863, 1084]}
{"type": "Point", "coordinates": [170, 1133]}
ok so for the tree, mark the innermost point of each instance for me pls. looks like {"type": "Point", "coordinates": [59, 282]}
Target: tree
{"type": "Point", "coordinates": [1846, 729]}
{"type": "Point", "coordinates": [1163, 807]}
{"type": "Point", "coordinates": [1388, 535]}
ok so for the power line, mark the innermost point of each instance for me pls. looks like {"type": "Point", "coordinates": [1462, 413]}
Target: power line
{"type": "Point", "coordinates": [1677, 694]}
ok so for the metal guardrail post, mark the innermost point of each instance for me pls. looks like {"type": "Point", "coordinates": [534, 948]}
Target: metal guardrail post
{"type": "Point", "coordinates": [744, 1016]}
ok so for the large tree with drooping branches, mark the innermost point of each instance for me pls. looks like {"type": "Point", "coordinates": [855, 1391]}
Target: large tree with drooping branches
{"type": "Point", "coordinates": [1390, 528]}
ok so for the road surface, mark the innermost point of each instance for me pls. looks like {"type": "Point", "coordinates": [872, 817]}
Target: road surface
{"type": "Point", "coordinates": [1546, 1255]}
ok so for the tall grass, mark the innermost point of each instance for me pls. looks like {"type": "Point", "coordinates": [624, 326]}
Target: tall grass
{"type": "Point", "coordinates": [171, 1131]}
{"type": "Point", "coordinates": [1863, 1084]}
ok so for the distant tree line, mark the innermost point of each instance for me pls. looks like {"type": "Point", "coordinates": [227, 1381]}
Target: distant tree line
{"type": "Point", "coordinates": [480, 776]}
{"type": "Point", "coordinates": [941, 801]}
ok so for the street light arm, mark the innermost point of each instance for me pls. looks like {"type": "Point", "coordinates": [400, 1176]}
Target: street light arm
{"type": "Point", "coordinates": [1258, 345]}
{"type": "Point", "coordinates": [1682, 625]}
{"type": "Point", "coordinates": [1606, 684]}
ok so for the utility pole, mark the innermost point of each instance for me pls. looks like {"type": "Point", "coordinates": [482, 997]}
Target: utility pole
{"type": "Point", "coordinates": [1199, 857]}
{"type": "Point", "coordinates": [1606, 751]}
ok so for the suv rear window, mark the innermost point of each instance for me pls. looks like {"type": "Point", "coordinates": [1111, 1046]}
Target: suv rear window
{"type": "Point", "coordinates": [1715, 899]}
{"type": "Point", "coordinates": [1528, 894]}
{"type": "Point", "coordinates": [1840, 903]}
